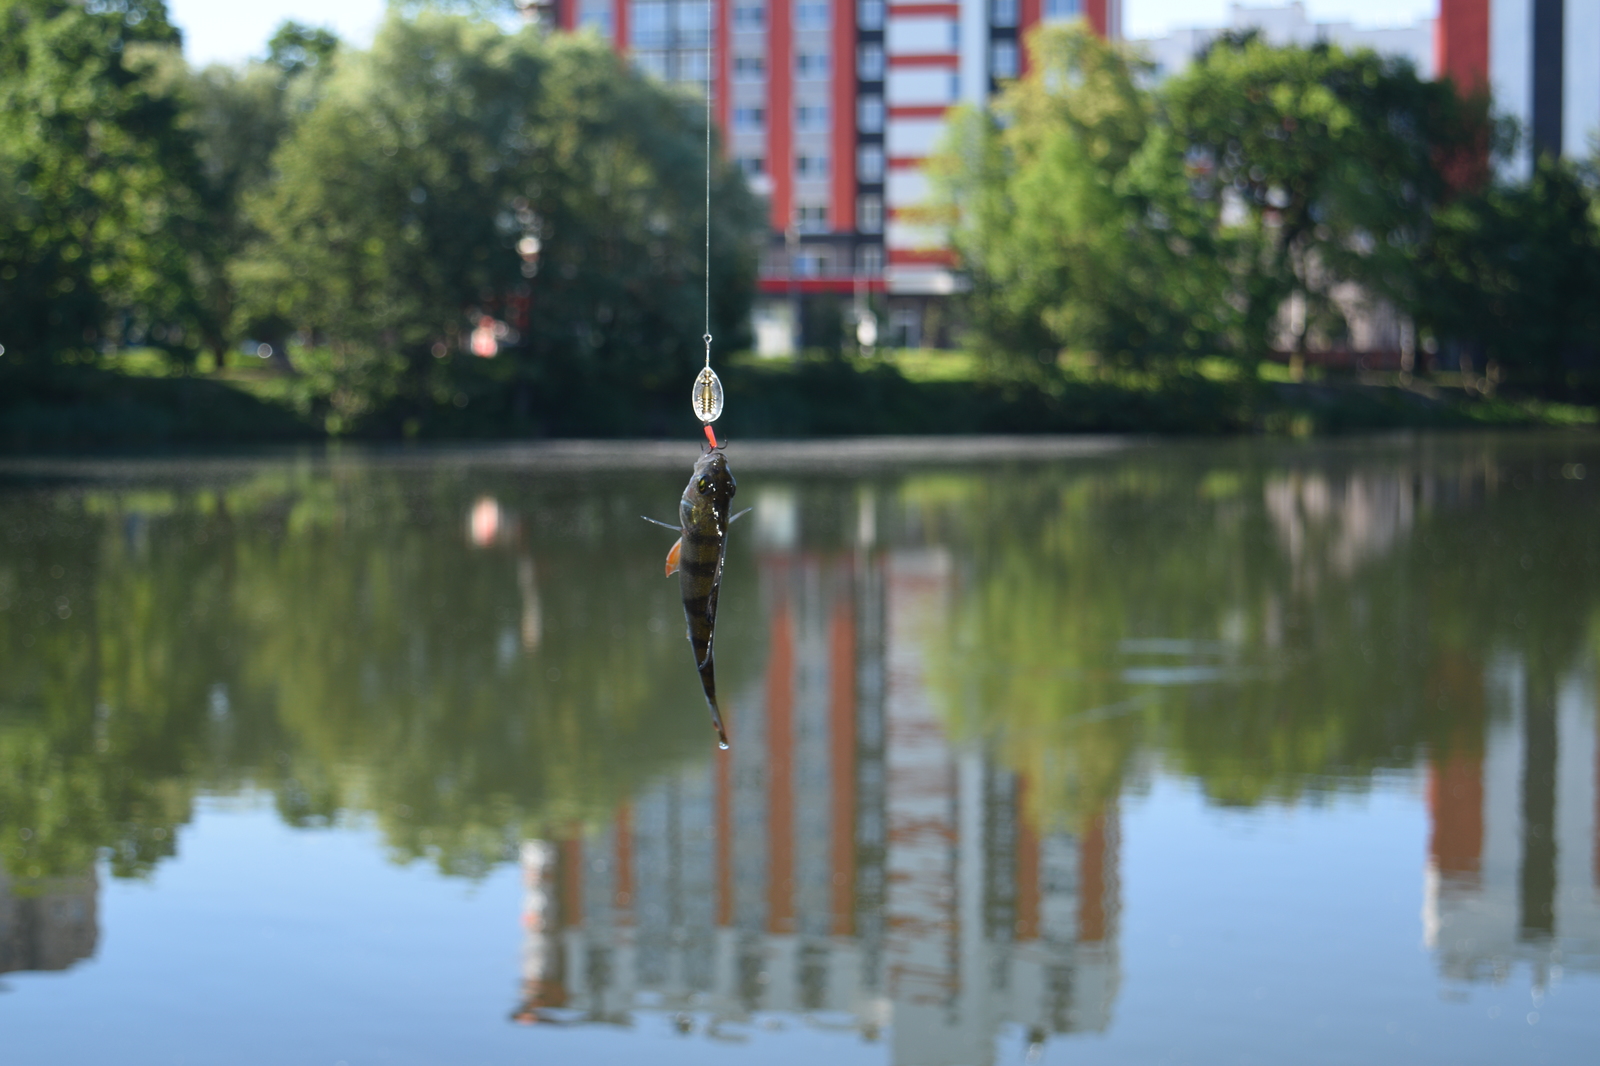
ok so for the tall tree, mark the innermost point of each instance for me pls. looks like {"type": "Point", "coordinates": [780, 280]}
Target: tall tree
{"type": "Point", "coordinates": [1072, 213]}
{"type": "Point", "coordinates": [239, 116]}
{"type": "Point", "coordinates": [1322, 167]}
{"type": "Point", "coordinates": [1513, 275]}
{"type": "Point", "coordinates": [97, 181]}
{"type": "Point", "coordinates": [456, 170]}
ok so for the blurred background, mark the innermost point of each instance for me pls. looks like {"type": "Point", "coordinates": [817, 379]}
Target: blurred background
{"type": "Point", "coordinates": [345, 715]}
{"type": "Point", "coordinates": [486, 219]}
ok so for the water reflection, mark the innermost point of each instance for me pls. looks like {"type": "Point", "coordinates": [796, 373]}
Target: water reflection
{"type": "Point", "coordinates": [48, 925]}
{"type": "Point", "coordinates": [1514, 851]}
{"type": "Point", "coordinates": [944, 686]}
{"type": "Point", "coordinates": [847, 863]}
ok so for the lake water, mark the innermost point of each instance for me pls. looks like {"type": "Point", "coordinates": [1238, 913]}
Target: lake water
{"type": "Point", "coordinates": [1048, 751]}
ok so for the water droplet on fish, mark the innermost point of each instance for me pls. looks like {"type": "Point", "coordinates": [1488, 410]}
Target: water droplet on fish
{"type": "Point", "coordinates": [707, 396]}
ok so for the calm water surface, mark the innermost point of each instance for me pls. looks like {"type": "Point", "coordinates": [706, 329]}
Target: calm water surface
{"type": "Point", "coordinates": [1191, 753]}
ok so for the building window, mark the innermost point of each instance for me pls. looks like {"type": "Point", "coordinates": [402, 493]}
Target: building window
{"type": "Point", "coordinates": [869, 260]}
{"type": "Point", "coordinates": [749, 17]}
{"type": "Point", "coordinates": [812, 264]}
{"type": "Point", "coordinates": [1062, 9]}
{"type": "Point", "coordinates": [694, 67]}
{"type": "Point", "coordinates": [1003, 59]}
{"type": "Point", "coordinates": [749, 68]}
{"type": "Point", "coordinates": [869, 114]}
{"type": "Point", "coordinates": [812, 166]}
{"type": "Point", "coordinates": [869, 63]}
{"type": "Point", "coordinates": [811, 218]}
{"type": "Point", "coordinates": [749, 118]}
{"type": "Point", "coordinates": [1003, 12]}
{"type": "Point", "coordinates": [811, 65]}
{"type": "Point", "coordinates": [811, 15]}
{"type": "Point", "coordinates": [811, 116]}
{"type": "Point", "coordinates": [651, 63]}
{"type": "Point", "coordinates": [869, 163]}
{"type": "Point", "coordinates": [869, 14]}
{"type": "Point", "coordinates": [693, 23]}
{"type": "Point", "coordinates": [647, 24]}
{"type": "Point", "coordinates": [751, 166]}
{"type": "Point", "coordinates": [869, 213]}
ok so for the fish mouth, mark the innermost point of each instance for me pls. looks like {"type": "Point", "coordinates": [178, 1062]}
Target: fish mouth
{"type": "Point", "coordinates": [712, 461]}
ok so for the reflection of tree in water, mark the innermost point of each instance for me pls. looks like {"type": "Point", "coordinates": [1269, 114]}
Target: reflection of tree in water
{"type": "Point", "coordinates": [337, 641]}
{"type": "Point", "coordinates": [1268, 625]}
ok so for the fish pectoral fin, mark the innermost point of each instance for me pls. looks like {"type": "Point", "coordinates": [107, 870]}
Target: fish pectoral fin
{"type": "Point", "coordinates": [740, 515]}
{"type": "Point", "coordinates": [672, 556]}
{"type": "Point", "coordinates": [663, 525]}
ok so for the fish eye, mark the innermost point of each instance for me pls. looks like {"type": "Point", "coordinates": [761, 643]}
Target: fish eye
{"type": "Point", "coordinates": [704, 484]}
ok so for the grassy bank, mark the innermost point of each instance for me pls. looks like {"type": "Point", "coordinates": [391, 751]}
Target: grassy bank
{"type": "Point", "coordinates": [140, 402]}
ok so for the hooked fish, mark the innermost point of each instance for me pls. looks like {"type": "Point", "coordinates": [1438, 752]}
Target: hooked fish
{"type": "Point", "coordinates": [697, 558]}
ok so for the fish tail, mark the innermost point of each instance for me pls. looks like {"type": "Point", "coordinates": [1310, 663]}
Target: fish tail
{"type": "Point", "coordinates": [708, 681]}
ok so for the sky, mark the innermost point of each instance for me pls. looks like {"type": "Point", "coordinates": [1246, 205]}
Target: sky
{"type": "Point", "coordinates": [218, 32]}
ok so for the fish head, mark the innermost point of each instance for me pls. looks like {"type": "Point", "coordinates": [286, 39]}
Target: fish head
{"type": "Point", "coordinates": [713, 480]}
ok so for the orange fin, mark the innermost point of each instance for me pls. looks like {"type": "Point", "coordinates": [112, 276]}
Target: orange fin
{"type": "Point", "coordinates": [672, 556]}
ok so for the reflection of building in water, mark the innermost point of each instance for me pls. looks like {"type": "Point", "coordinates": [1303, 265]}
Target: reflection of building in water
{"type": "Point", "coordinates": [1331, 524]}
{"type": "Point", "coordinates": [49, 925]}
{"type": "Point", "coordinates": [1341, 523]}
{"type": "Point", "coordinates": [1514, 856]}
{"type": "Point", "coordinates": [846, 862]}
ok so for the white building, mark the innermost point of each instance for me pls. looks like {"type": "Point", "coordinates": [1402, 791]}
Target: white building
{"type": "Point", "coordinates": [1289, 24]}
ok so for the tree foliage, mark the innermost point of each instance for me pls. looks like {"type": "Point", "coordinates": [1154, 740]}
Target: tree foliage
{"type": "Point", "coordinates": [457, 170]}
{"type": "Point", "coordinates": [1321, 165]}
{"type": "Point", "coordinates": [1228, 209]}
{"type": "Point", "coordinates": [1514, 271]}
{"type": "Point", "coordinates": [98, 181]}
{"type": "Point", "coordinates": [1072, 214]}
{"type": "Point", "coordinates": [376, 202]}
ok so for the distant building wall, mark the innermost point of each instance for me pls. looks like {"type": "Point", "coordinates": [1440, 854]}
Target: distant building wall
{"type": "Point", "coordinates": [1541, 61]}
{"type": "Point", "coordinates": [1289, 24]}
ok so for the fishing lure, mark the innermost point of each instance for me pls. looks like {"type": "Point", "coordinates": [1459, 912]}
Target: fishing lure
{"type": "Point", "coordinates": [697, 558]}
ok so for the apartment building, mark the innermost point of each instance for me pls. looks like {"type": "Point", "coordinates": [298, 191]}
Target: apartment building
{"type": "Point", "coordinates": [1541, 61]}
{"type": "Point", "coordinates": [830, 108]}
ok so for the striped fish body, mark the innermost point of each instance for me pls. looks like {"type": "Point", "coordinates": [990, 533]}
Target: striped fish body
{"type": "Point", "coordinates": [703, 516]}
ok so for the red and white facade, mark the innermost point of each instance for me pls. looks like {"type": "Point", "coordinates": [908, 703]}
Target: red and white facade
{"type": "Point", "coordinates": [1540, 59]}
{"type": "Point", "coordinates": [831, 107]}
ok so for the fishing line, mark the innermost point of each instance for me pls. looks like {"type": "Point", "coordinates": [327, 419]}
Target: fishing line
{"type": "Point", "coordinates": [706, 396]}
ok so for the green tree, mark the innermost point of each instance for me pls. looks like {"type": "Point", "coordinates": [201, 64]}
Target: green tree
{"type": "Point", "coordinates": [1514, 271]}
{"type": "Point", "coordinates": [296, 48]}
{"type": "Point", "coordinates": [1321, 166]}
{"type": "Point", "coordinates": [1072, 214]}
{"type": "Point", "coordinates": [239, 116]}
{"type": "Point", "coordinates": [457, 170]}
{"type": "Point", "coordinates": [98, 207]}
